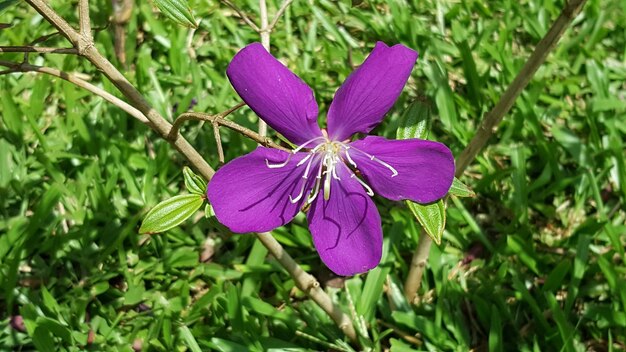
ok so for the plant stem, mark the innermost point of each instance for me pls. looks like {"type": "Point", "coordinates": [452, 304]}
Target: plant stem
{"type": "Point", "coordinates": [489, 125]}
{"type": "Point", "coordinates": [265, 40]}
{"type": "Point", "coordinates": [303, 280]}
{"type": "Point", "coordinates": [15, 67]}
{"type": "Point", "coordinates": [243, 15]}
{"type": "Point", "coordinates": [220, 120]}
{"type": "Point", "coordinates": [83, 18]}
{"type": "Point", "coordinates": [34, 49]}
{"type": "Point", "coordinates": [279, 13]}
{"type": "Point", "coordinates": [308, 284]}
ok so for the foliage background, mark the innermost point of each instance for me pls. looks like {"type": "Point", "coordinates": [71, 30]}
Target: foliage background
{"type": "Point", "coordinates": [534, 262]}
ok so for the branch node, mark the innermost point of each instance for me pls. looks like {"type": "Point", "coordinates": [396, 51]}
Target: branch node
{"type": "Point", "coordinates": [83, 45]}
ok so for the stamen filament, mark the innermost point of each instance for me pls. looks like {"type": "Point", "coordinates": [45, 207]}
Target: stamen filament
{"type": "Point", "coordinates": [349, 157]}
{"type": "Point", "coordinates": [394, 172]}
{"type": "Point", "coordinates": [278, 166]}
{"type": "Point", "coordinates": [301, 146]}
{"type": "Point", "coordinates": [368, 189]}
{"type": "Point", "coordinates": [318, 182]}
{"type": "Point", "coordinates": [304, 180]}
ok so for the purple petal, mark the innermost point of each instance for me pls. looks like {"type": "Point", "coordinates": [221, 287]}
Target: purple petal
{"type": "Point", "coordinates": [346, 229]}
{"type": "Point", "coordinates": [370, 91]}
{"type": "Point", "coordinates": [274, 93]}
{"type": "Point", "coordinates": [425, 168]}
{"type": "Point", "coordinates": [248, 196]}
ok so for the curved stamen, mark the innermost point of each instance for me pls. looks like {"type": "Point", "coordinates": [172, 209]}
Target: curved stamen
{"type": "Point", "coordinates": [348, 156]}
{"type": "Point", "coordinates": [394, 172]}
{"type": "Point", "coordinates": [304, 160]}
{"type": "Point", "coordinates": [368, 189]}
{"type": "Point", "coordinates": [304, 179]}
{"type": "Point", "coordinates": [318, 181]}
{"type": "Point", "coordinates": [301, 146]}
{"type": "Point", "coordinates": [278, 166]}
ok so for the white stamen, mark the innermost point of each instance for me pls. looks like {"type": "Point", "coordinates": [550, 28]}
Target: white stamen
{"type": "Point", "coordinates": [318, 181]}
{"type": "Point", "coordinates": [394, 172]}
{"type": "Point", "coordinates": [301, 146]}
{"type": "Point", "coordinates": [349, 158]}
{"type": "Point", "coordinates": [328, 155]}
{"type": "Point", "coordinates": [278, 166]}
{"type": "Point", "coordinates": [304, 160]}
{"type": "Point", "coordinates": [367, 188]}
{"type": "Point", "coordinates": [304, 179]}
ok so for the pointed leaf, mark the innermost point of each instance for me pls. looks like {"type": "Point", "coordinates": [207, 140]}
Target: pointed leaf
{"type": "Point", "coordinates": [178, 11]}
{"type": "Point", "coordinates": [432, 217]}
{"type": "Point", "coordinates": [171, 213]}
{"type": "Point", "coordinates": [415, 122]}
{"type": "Point", "coordinates": [194, 183]}
{"type": "Point", "coordinates": [6, 4]}
{"type": "Point", "coordinates": [459, 189]}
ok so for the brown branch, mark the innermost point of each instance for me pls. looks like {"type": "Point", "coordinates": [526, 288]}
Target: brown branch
{"type": "Point", "coordinates": [88, 50]}
{"type": "Point", "coordinates": [83, 18]}
{"type": "Point", "coordinates": [218, 141]}
{"type": "Point", "coordinates": [34, 49]}
{"type": "Point", "coordinates": [220, 120]}
{"type": "Point", "coordinates": [122, 12]}
{"type": "Point", "coordinates": [308, 284]}
{"type": "Point", "coordinates": [302, 279]}
{"type": "Point", "coordinates": [488, 127]}
{"type": "Point", "coordinates": [493, 118]}
{"type": "Point", "coordinates": [278, 14]}
{"type": "Point", "coordinates": [72, 78]}
{"type": "Point", "coordinates": [265, 40]}
{"type": "Point", "coordinates": [242, 15]}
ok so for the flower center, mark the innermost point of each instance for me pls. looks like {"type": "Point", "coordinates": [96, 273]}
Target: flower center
{"type": "Point", "coordinates": [327, 154]}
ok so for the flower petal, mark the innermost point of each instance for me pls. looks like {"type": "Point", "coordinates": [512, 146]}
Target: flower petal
{"type": "Point", "coordinates": [274, 93]}
{"type": "Point", "coordinates": [248, 196]}
{"type": "Point", "coordinates": [425, 168]}
{"type": "Point", "coordinates": [346, 229]}
{"type": "Point", "coordinates": [370, 91]}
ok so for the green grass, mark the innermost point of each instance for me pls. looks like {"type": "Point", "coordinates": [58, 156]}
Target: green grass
{"type": "Point", "coordinates": [546, 231]}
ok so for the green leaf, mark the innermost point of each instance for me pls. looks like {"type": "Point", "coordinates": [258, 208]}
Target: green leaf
{"type": "Point", "coordinates": [415, 122]}
{"type": "Point", "coordinates": [194, 183]}
{"type": "Point", "coordinates": [171, 213]}
{"type": "Point", "coordinates": [178, 11]}
{"type": "Point", "coordinates": [190, 341]}
{"type": "Point", "coordinates": [432, 217]}
{"type": "Point", "coordinates": [459, 189]}
{"type": "Point", "coordinates": [5, 4]}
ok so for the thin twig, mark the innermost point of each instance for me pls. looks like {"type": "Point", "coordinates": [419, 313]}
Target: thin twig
{"type": "Point", "coordinates": [302, 279]}
{"type": "Point", "coordinates": [307, 283]}
{"type": "Point", "coordinates": [198, 116]}
{"type": "Point", "coordinates": [418, 264]}
{"type": "Point", "coordinates": [83, 18]}
{"type": "Point", "coordinates": [34, 49]}
{"type": "Point", "coordinates": [537, 58]}
{"type": "Point", "coordinates": [122, 12]}
{"type": "Point", "coordinates": [72, 78]}
{"type": "Point", "coordinates": [218, 141]}
{"type": "Point", "coordinates": [265, 40]}
{"type": "Point", "coordinates": [262, 140]}
{"type": "Point", "coordinates": [242, 15]}
{"type": "Point", "coordinates": [488, 127]}
{"type": "Point", "coordinates": [278, 14]}
{"type": "Point", "coordinates": [135, 98]}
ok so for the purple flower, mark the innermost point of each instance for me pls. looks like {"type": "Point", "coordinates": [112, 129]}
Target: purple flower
{"type": "Point", "coordinates": [327, 173]}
